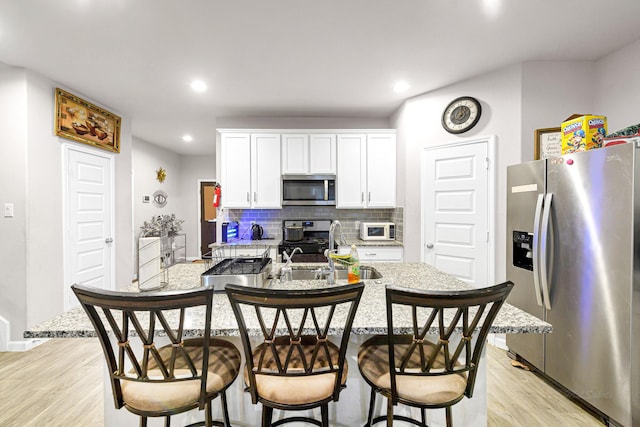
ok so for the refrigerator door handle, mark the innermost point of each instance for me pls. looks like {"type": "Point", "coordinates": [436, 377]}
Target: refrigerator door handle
{"type": "Point", "coordinates": [536, 248]}
{"type": "Point", "coordinates": [544, 246]}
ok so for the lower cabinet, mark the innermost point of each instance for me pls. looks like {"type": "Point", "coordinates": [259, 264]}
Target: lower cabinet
{"type": "Point", "coordinates": [376, 253]}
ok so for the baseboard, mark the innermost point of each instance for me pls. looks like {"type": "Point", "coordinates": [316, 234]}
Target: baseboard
{"type": "Point", "coordinates": [498, 340]}
{"type": "Point", "coordinates": [26, 344]}
{"type": "Point", "coordinates": [5, 339]}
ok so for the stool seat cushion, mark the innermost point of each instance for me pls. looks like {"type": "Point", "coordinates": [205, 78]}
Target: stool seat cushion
{"type": "Point", "coordinates": [295, 388]}
{"type": "Point", "coordinates": [373, 362]}
{"type": "Point", "coordinates": [161, 395]}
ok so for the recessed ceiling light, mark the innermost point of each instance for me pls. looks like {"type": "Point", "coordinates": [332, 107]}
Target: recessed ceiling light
{"type": "Point", "coordinates": [187, 138]}
{"type": "Point", "coordinates": [198, 86]}
{"type": "Point", "coordinates": [401, 86]}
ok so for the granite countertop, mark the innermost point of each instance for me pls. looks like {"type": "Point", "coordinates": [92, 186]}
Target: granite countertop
{"type": "Point", "coordinates": [370, 318]}
{"type": "Point", "coordinates": [359, 242]}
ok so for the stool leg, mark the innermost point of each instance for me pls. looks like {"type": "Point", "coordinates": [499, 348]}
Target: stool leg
{"type": "Point", "coordinates": [267, 413]}
{"type": "Point", "coordinates": [449, 417]}
{"type": "Point", "coordinates": [389, 412]}
{"type": "Point", "coordinates": [167, 421]}
{"type": "Point", "coordinates": [324, 410]}
{"type": "Point", "coordinates": [372, 402]}
{"type": "Point", "coordinates": [208, 416]}
{"type": "Point", "coordinates": [424, 417]}
{"type": "Point", "coordinates": [143, 421]}
{"type": "Point", "coordinates": [225, 409]}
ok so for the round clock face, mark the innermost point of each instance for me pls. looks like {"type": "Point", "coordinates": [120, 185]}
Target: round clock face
{"type": "Point", "coordinates": [461, 114]}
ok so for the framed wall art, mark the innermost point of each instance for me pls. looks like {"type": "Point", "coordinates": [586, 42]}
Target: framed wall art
{"type": "Point", "coordinates": [81, 121]}
{"type": "Point", "coordinates": [547, 143]}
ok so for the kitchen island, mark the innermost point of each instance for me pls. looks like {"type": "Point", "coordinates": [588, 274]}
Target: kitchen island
{"type": "Point", "coordinates": [370, 319]}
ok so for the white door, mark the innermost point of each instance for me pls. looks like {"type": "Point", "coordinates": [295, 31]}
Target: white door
{"type": "Point", "coordinates": [89, 221]}
{"type": "Point", "coordinates": [457, 210]}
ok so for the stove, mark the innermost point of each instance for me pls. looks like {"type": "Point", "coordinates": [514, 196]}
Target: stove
{"type": "Point", "coordinates": [315, 240]}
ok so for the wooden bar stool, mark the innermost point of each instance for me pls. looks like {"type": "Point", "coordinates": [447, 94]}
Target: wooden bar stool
{"type": "Point", "coordinates": [159, 382]}
{"type": "Point", "coordinates": [295, 367]}
{"type": "Point", "coordinates": [434, 363]}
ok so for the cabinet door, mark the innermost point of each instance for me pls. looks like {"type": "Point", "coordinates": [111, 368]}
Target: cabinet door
{"type": "Point", "coordinates": [351, 171]}
{"type": "Point", "coordinates": [381, 170]}
{"type": "Point", "coordinates": [265, 167]}
{"type": "Point", "coordinates": [236, 170]}
{"type": "Point", "coordinates": [295, 154]}
{"type": "Point", "coordinates": [322, 154]}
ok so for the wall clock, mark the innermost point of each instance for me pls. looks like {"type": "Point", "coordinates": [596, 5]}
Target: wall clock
{"type": "Point", "coordinates": [461, 114]}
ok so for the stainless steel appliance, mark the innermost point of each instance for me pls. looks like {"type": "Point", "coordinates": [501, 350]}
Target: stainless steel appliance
{"type": "Point", "coordinates": [573, 252]}
{"type": "Point", "coordinates": [240, 265]}
{"type": "Point", "coordinates": [377, 231]}
{"type": "Point", "coordinates": [313, 242]}
{"type": "Point", "coordinates": [308, 190]}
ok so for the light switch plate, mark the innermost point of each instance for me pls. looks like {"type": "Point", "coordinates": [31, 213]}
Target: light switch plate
{"type": "Point", "coordinates": [8, 210]}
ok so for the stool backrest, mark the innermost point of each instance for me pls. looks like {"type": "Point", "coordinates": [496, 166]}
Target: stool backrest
{"type": "Point", "coordinates": [123, 319]}
{"type": "Point", "coordinates": [291, 318]}
{"type": "Point", "coordinates": [447, 322]}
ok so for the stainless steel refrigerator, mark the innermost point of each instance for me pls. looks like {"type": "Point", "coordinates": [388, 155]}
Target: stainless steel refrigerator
{"type": "Point", "coordinates": [573, 252]}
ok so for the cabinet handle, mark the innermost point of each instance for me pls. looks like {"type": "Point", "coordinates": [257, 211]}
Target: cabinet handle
{"type": "Point", "coordinates": [255, 196]}
{"type": "Point", "coordinates": [362, 197]}
{"type": "Point", "coordinates": [369, 196]}
{"type": "Point", "coordinates": [248, 200]}
{"type": "Point", "coordinates": [371, 254]}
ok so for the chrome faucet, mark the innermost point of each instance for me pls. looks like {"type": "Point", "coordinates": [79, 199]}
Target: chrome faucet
{"type": "Point", "coordinates": [285, 272]}
{"type": "Point", "coordinates": [331, 275]}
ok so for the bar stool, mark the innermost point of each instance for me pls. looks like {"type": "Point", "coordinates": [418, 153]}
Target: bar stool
{"type": "Point", "coordinates": [295, 367]}
{"type": "Point", "coordinates": [434, 363]}
{"type": "Point", "coordinates": [160, 382]}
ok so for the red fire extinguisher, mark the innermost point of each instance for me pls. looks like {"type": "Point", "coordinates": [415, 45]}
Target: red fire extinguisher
{"type": "Point", "coordinates": [216, 196]}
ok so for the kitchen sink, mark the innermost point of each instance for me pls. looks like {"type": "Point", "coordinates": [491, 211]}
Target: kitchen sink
{"type": "Point", "coordinates": [315, 273]}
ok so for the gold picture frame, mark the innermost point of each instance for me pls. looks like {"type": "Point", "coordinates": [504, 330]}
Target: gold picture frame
{"type": "Point", "coordinates": [547, 143]}
{"type": "Point", "coordinates": [81, 121]}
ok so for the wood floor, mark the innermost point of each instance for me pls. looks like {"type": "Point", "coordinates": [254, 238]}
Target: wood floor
{"type": "Point", "coordinates": [59, 383]}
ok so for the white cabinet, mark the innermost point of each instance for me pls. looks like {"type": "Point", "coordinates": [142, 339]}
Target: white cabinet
{"type": "Point", "coordinates": [150, 268]}
{"type": "Point", "coordinates": [265, 171]}
{"type": "Point", "coordinates": [236, 170]}
{"type": "Point", "coordinates": [308, 154]}
{"type": "Point", "coordinates": [250, 170]}
{"type": "Point", "coordinates": [376, 253]}
{"type": "Point", "coordinates": [366, 173]}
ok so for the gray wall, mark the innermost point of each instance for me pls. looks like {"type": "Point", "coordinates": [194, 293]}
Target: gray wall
{"type": "Point", "coordinates": [32, 283]}
{"type": "Point", "coordinates": [516, 100]}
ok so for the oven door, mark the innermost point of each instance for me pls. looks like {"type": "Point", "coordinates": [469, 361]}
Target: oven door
{"type": "Point", "coordinates": [305, 190]}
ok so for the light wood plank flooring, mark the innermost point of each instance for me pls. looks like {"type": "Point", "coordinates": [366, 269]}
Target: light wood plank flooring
{"type": "Point", "coordinates": [60, 384]}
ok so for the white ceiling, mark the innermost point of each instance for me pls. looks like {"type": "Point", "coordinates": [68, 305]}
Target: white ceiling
{"type": "Point", "coordinates": [289, 58]}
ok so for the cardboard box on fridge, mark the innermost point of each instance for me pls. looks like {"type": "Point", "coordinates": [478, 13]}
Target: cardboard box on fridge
{"type": "Point", "coordinates": [582, 132]}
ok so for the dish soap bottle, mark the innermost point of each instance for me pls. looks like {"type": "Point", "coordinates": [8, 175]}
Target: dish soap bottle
{"type": "Point", "coordinates": [354, 266]}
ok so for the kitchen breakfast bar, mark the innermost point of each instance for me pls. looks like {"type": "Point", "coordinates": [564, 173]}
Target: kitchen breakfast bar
{"type": "Point", "coordinates": [370, 319]}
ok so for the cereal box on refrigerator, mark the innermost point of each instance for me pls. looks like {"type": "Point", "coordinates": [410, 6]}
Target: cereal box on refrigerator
{"type": "Point", "coordinates": [583, 132]}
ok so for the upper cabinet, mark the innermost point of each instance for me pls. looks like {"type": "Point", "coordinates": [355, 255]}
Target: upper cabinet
{"type": "Point", "coordinates": [250, 170]}
{"type": "Point", "coordinates": [308, 154]}
{"type": "Point", "coordinates": [366, 174]}
{"type": "Point", "coordinates": [252, 161]}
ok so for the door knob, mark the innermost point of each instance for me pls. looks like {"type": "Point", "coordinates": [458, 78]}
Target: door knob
{"type": "Point", "coordinates": [108, 240]}
{"type": "Point", "coordinates": [429, 245]}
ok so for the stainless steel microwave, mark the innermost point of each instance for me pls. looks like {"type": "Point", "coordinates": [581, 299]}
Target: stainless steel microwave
{"type": "Point", "coordinates": [308, 190]}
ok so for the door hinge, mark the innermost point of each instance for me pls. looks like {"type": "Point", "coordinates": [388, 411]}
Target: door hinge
{"type": "Point", "coordinates": [486, 161]}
